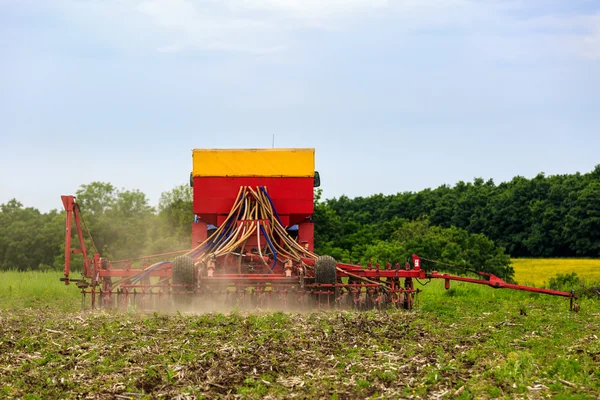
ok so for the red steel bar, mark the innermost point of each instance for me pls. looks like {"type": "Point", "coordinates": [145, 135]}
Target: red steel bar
{"type": "Point", "coordinates": [498, 283]}
{"type": "Point", "coordinates": [72, 209]}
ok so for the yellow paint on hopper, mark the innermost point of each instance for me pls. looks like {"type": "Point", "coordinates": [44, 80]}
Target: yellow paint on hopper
{"type": "Point", "coordinates": [254, 162]}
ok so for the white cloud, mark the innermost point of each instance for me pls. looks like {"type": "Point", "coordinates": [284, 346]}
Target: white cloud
{"type": "Point", "coordinates": [494, 29]}
{"type": "Point", "coordinates": [263, 25]}
{"type": "Point", "coordinates": [546, 37]}
{"type": "Point", "coordinates": [209, 25]}
{"type": "Point", "coordinates": [589, 44]}
{"type": "Point", "coordinates": [256, 25]}
{"type": "Point", "coordinates": [308, 8]}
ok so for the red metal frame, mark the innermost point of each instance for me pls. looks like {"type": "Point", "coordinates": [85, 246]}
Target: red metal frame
{"type": "Point", "coordinates": [73, 213]}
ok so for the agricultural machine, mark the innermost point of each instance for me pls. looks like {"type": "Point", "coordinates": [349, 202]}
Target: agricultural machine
{"type": "Point", "coordinates": [252, 245]}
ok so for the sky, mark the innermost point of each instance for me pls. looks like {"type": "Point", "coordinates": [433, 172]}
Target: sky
{"type": "Point", "coordinates": [395, 96]}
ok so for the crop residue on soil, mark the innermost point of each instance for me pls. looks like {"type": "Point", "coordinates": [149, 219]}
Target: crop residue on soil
{"type": "Point", "coordinates": [238, 355]}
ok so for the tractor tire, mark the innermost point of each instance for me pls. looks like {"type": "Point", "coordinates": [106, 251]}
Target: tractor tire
{"type": "Point", "coordinates": [183, 273]}
{"type": "Point", "coordinates": [325, 274]}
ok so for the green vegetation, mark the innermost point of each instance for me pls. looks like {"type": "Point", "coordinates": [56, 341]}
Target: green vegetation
{"type": "Point", "coordinates": [468, 342]}
{"type": "Point", "coordinates": [37, 290]}
{"type": "Point", "coordinates": [122, 223]}
{"type": "Point", "coordinates": [554, 216]}
{"type": "Point", "coordinates": [451, 245]}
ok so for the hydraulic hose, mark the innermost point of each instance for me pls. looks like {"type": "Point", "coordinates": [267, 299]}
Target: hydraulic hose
{"type": "Point", "coordinates": [262, 188]}
{"type": "Point", "coordinates": [147, 271]}
{"type": "Point", "coordinates": [272, 249]}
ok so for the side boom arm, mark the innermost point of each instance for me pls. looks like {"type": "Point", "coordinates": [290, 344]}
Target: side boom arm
{"type": "Point", "coordinates": [497, 283]}
{"type": "Point", "coordinates": [415, 271]}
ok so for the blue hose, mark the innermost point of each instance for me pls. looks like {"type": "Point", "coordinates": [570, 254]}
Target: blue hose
{"type": "Point", "coordinates": [194, 254]}
{"type": "Point", "coordinates": [272, 248]}
{"type": "Point", "coordinates": [272, 205]}
{"type": "Point", "coordinates": [207, 245]}
{"type": "Point", "coordinates": [136, 280]}
{"type": "Point", "coordinates": [222, 234]}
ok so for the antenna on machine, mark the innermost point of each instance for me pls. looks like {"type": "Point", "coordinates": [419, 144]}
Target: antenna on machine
{"type": "Point", "coordinates": [273, 142]}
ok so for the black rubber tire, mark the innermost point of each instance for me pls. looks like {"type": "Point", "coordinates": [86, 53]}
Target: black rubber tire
{"type": "Point", "coordinates": [325, 274]}
{"type": "Point", "coordinates": [183, 270]}
{"type": "Point", "coordinates": [183, 273]}
{"type": "Point", "coordinates": [325, 270]}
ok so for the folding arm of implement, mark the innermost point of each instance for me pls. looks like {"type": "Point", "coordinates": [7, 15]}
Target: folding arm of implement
{"type": "Point", "coordinates": [415, 271]}
{"type": "Point", "coordinates": [497, 283]}
{"type": "Point", "coordinates": [73, 214]}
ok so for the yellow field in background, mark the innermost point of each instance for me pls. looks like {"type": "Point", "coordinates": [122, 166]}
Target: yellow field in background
{"type": "Point", "coordinates": [537, 271]}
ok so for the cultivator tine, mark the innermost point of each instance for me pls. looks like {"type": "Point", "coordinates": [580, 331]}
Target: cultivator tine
{"type": "Point", "coordinates": [217, 294]}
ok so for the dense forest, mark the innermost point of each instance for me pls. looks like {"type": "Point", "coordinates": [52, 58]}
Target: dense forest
{"type": "Point", "coordinates": [554, 216]}
{"type": "Point", "coordinates": [477, 224]}
{"type": "Point", "coordinates": [122, 223]}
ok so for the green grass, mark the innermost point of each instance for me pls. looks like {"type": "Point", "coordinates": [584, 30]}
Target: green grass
{"type": "Point", "coordinates": [468, 342]}
{"type": "Point", "coordinates": [37, 289]}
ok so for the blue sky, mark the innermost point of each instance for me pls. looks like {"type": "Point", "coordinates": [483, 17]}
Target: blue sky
{"type": "Point", "coordinates": [394, 95]}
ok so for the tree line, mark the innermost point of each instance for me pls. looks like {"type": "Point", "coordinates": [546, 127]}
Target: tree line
{"type": "Point", "coordinates": [476, 224]}
{"type": "Point", "coordinates": [122, 223]}
{"type": "Point", "coordinates": [546, 216]}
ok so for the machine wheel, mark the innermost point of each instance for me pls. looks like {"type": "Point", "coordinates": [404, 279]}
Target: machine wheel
{"type": "Point", "coordinates": [183, 270]}
{"type": "Point", "coordinates": [183, 273]}
{"type": "Point", "coordinates": [325, 268]}
{"type": "Point", "coordinates": [325, 274]}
